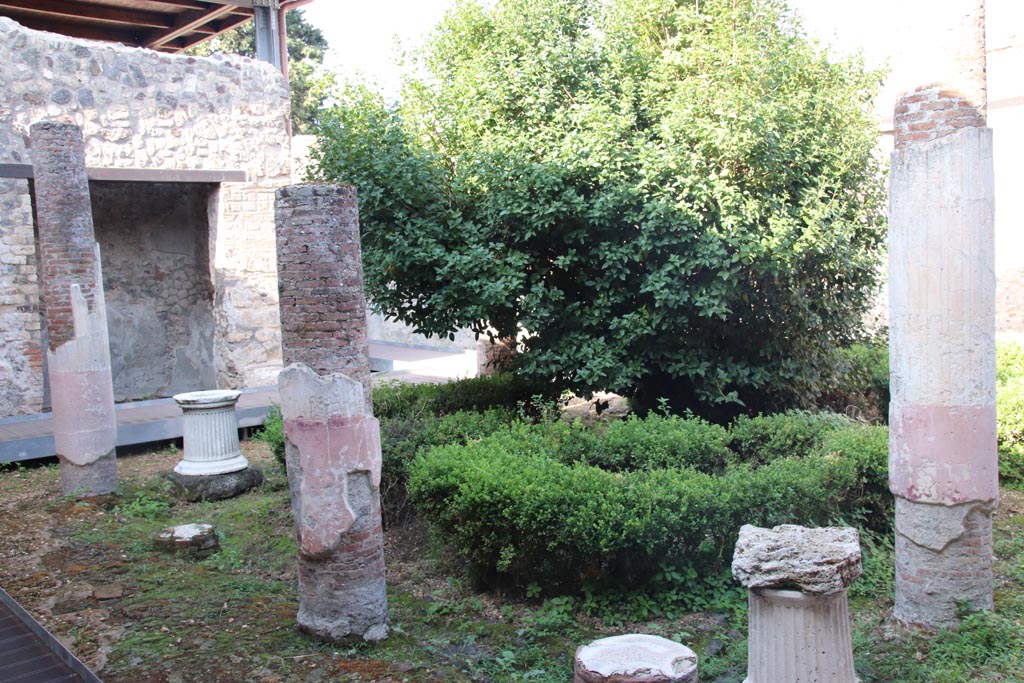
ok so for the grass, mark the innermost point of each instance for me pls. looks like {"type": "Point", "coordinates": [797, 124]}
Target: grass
{"type": "Point", "coordinates": [231, 616]}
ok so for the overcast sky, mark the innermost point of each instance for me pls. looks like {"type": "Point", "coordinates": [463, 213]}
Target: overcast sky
{"type": "Point", "coordinates": [362, 34]}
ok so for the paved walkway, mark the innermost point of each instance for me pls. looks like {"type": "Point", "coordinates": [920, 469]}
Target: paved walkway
{"type": "Point", "coordinates": [27, 437]}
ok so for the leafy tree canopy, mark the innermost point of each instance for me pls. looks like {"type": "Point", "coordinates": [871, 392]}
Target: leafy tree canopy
{"type": "Point", "coordinates": [665, 197]}
{"type": "Point", "coordinates": [306, 49]}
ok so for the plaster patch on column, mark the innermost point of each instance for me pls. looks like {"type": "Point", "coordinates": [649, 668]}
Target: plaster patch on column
{"type": "Point", "coordinates": [935, 527]}
{"type": "Point", "coordinates": [328, 440]}
{"type": "Point", "coordinates": [84, 421]}
{"type": "Point", "coordinates": [941, 454]}
{"type": "Point", "coordinates": [305, 394]}
{"type": "Point", "coordinates": [327, 454]}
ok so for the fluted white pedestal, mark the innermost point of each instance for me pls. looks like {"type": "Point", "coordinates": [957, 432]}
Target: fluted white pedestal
{"type": "Point", "coordinates": [211, 433]}
{"type": "Point", "coordinates": [799, 638]}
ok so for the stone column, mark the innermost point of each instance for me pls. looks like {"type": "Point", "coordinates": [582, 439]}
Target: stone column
{"type": "Point", "coordinates": [332, 440]}
{"type": "Point", "coordinates": [78, 356]}
{"type": "Point", "coordinates": [943, 466]}
{"type": "Point", "coordinates": [799, 624]}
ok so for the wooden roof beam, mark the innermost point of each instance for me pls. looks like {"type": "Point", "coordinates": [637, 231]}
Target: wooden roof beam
{"type": "Point", "coordinates": [192, 4]}
{"type": "Point", "coordinates": [205, 33]}
{"type": "Point", "coordinates": [86, 31]}
{"type": "Point", "coordinates": [186, 23]}
{"type": "Point", "coordinates": [114, 15]}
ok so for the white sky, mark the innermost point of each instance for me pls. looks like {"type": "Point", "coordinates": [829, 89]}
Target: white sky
{"type": "Point", "coordinates": [362, 33]}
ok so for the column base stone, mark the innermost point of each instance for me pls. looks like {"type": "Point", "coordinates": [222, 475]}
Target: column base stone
{"type": "Point", "coordinates": [98, 478]}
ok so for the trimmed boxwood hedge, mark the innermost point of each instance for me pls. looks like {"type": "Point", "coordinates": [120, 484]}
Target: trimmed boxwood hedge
{"type": "Point", "coordinates": [562, 507]}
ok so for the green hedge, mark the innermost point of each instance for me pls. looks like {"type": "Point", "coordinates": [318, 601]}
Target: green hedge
{"type": "Point", "coordinates": [524, 508]}
{"type": "Point", "coordinates": [1010, 412]}
{"type": "Point", "coordinates": [398, 399]}
{"type": "Point", "coordinates": [402, 438]}
{"type": "Point", "coordinates": [796, 433]}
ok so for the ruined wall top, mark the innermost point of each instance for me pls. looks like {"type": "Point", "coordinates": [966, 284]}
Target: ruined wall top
{"type": "Point", "coordinates": [955, 94]}
{"type": "Point", "coordinates": [140, 108]}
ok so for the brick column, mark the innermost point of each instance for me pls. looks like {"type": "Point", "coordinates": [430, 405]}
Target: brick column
{"type": "Point", "coordinates": [332, 439]}
{"type": "Point", "coordinates": [320, 281]}
{"type": "Point", "coordinates": [943, 466]}
{"type": "Point", "coordinates": [78, 357]}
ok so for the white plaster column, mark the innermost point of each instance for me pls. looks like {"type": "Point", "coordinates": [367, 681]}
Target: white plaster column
{"type": "Point", "coordinates": [211, 433]}
{"type": "Point", "coordinates": [943, 463]}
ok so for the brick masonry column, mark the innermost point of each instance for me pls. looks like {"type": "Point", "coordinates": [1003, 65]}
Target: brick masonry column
{"type": "Point", "coordinates": [78, 357]}
{"type": "Point", "coordinates": [320, 281]}
{"type": "Point", "coordinates": [332, 440]}
{"type": "Point", "coordinates": [943, 465]}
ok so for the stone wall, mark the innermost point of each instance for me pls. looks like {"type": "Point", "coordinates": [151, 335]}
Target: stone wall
{"type": "Point", "coordinates": [146, 110]}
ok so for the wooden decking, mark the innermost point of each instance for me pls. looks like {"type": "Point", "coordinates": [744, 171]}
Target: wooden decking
{"type": "Point", "coordinates": [28, 437]}
{"type": "Point", "coordinates": [31, 436]}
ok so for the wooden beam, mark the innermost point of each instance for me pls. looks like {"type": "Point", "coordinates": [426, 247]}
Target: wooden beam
{"type": "Point", "coordinates": [186, 22]}
{"type": "Point", "coordinates": [16, 171]}
{"type": "Point", "coordinates": [114, 15]}
{"type": "Point", "coordinates": [87, 31]}
{"type": "Point", "coordinates": [139, 175]}
{"type": "Point", "coordinates": [206, 33]}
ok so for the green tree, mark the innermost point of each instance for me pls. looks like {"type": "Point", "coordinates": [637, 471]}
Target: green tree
{"type": "Point", "coordinates": [306, 49]}
{"type": "Point", "coordinates": [671, 197]}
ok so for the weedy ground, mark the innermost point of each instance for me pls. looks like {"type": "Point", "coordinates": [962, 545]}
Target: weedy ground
{"type": "Point", "coordinates": [88, 571]}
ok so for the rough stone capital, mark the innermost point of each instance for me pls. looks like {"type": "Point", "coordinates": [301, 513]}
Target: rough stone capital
{"type": "Point", "coordinates": [817, 561]}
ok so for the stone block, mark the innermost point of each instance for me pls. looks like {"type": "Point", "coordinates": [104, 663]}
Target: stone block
{"type": "Point", "coordinates": [193, 487]}
{"type": "Point", "coordinates": [817, 561]}
{"type": "Point", "coordinates": [195, 540]}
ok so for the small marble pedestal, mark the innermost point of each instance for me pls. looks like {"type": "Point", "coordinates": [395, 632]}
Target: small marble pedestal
{"type": "Point", "coordinates": [211, 433]}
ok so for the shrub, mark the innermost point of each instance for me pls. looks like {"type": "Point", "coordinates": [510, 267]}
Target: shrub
{"type": "Point", "coordinates": [522, 513]}
{"type": "Point", "coordinates": [273, 433]}
{"type": "Point", "coordinates": [657, 442]}
{"type": "Point", "coordinates": [1010, 429]}
{"type": "Point", "coordinates": [476, 393]}
{"type": "Point", "coordinates": [868, 448]}
{"type": "Point", "coordinates": [1010, 411]}
{"type": "Point", "coordinates": [764, 438]}
{"type": "Point", "coordinates": [402, 438]}
{"type": "Point", "coordinates": [861, 386]}
{"type": "Point", "coordinates": [1009, 361]}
